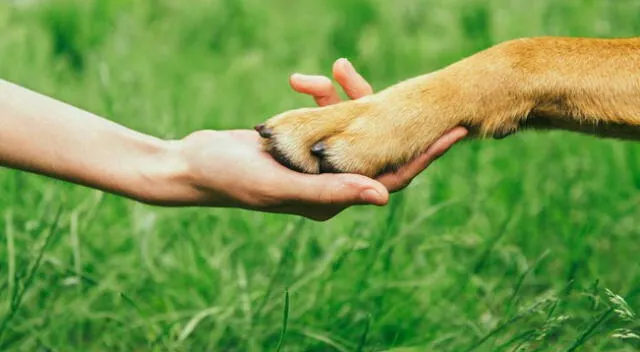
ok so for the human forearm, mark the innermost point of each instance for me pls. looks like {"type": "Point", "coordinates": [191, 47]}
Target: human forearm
{"type": "Point", "coordinates": [48, 137]}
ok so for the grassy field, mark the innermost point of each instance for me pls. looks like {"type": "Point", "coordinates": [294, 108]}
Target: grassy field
{"type": "Point", "coordinates": [525, 244]}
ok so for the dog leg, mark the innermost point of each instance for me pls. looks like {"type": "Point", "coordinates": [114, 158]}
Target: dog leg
{"type": "Point", "coordinates": [585, 85]}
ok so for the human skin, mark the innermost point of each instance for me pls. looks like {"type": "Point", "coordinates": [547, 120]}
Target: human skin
{"type": "Point", "coordinates": [206, 168]}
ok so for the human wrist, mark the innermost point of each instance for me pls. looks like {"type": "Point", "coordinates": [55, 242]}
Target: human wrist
{"type": "Point", "coordinates": [162, 176]}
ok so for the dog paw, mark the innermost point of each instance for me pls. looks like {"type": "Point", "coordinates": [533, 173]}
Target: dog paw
{"type": "Point", "coordinates": [384, 131]}
{"type": "Point", "coordinates": [368, 136]}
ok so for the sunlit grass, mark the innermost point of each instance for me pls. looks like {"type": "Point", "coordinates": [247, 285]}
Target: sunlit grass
{"type": "Point", "coordinates": [500, 246]}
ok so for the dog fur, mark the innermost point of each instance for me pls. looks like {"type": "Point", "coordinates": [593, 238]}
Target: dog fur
{"type": "Point", "coordinates": [585, 85]}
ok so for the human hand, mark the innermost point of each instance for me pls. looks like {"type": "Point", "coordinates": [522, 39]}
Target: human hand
{"type": "Point", "coordinates": [230, 169]}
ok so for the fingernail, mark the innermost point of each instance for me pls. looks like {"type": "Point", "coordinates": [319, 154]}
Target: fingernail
{"type": "Point", "coordinates": [371, 196]}
{"type": "Point", "coordinates": [348, 66]}
{"type": "Point", "coordinates": [298, 76]}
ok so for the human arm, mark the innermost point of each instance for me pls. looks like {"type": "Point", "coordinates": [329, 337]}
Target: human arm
{"type": "Point", "coordinates": [207, 168]}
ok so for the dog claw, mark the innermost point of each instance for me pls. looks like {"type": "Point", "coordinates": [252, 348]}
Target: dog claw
{"type": "Point", "coordinates": [318, 149]}
{"type": "Point", "coordinates": [263, 131]}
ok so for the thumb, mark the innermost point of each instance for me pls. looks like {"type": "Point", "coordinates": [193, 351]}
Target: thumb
{"type": "Point", "coordinates": [343, 189]}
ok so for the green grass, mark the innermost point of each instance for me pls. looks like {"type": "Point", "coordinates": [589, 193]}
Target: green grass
{"type": "Point", "coordinates": [500, 246]}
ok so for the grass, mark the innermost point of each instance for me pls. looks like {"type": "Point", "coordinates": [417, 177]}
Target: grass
{"type": "Point", "coordinates": [526, 244]}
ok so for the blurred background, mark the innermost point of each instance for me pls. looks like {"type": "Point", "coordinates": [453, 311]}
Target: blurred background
{"type": "Point", "coordinates": [524, 244]}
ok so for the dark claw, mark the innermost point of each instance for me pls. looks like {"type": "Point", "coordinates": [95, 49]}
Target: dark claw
{"type": "Point", "coordinates": [264, 131]}
{"type": "Point", "coordinates": [318, 149]}
{"type": "Point", "coordinates": [327, 168]}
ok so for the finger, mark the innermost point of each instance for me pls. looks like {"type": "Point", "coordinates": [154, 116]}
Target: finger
{"type": "Point", "coordinates": [320, 87]}
{"type": "Point", "coordinates": [353, 84]}
{"type": "Point", "coordinates": [403, 177]}
{"type": "Point", "coordinates": [337, 190]}
{"type": "Point", "coordinates": [445, 142]}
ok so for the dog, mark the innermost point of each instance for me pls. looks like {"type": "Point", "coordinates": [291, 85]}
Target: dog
{"type": "Point", "coordinates": [585, 85]}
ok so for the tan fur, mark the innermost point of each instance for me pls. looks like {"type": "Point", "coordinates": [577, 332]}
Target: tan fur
{"type": "Point", "coordinates": [577, 84]}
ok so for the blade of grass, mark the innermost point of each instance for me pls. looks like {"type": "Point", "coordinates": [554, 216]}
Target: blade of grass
{"type": "Point", "coordinates": [285, 321]}
{"type": "Point", "coordinates": [11, 254]}
{"type": "Point", "coordinates": [392, 223]}
{"type": "Point", "coordinates": [365, 334]}
{"type": "Point", "coordinates": [584, 336]}
{"type": "Point", "coordinates": [16, 301]}
{"type": "Point", "coordinates": [504, 325]}
{"type": "Point", "coordinates": [289, 237]}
